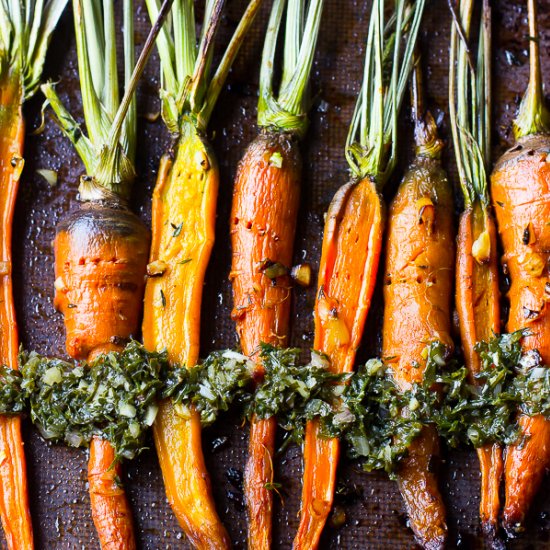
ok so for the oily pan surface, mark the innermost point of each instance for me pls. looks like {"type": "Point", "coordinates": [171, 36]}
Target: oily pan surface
{"type": "Point", "coordinates": [374, 512]}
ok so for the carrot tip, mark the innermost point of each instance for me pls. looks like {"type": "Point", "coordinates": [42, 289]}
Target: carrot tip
{"type": "Point", "coordinates": [492, 536]}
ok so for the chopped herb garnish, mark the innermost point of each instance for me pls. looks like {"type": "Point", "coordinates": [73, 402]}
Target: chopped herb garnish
{"type": "Point", "coordinates": [186, 261]}
{"type": "Point", "coordinates": [293, 392]}
{"type": "Point", "coordinates": [113, 397]}
{"type": "Point", "coordinates": [272, 270]}
{"type": "Point", "coordinates": [212, 386]}
{"type": "Point", "coordinates": [12, 399]}
{"type": "Point", "coordinates": [177, 229]}
{"type": "Point", "coordinates": [162, 298]}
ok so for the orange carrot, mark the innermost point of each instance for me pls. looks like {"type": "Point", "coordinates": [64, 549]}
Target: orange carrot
{"type": "Point", "coordinates": [14, 503]}
{"type": "Point", "coordinates": [184, 215]}
{"type": "Point", "coordinates": [353, 239]}
{"type": "Point", "coordinates": [21, 71]}
{"type": "Point", "coordinates": [101, 249]}
{"type": "Point", "coordinates": [521, 198]}
{"type": "Point", "coordinates": [351, 249]}
{"type": "Point", "coordinates": [477, 286]}
{"type": "Point", "coordinates": [417, 297]}
{"type": "Point", "coordinates": [263, 223]}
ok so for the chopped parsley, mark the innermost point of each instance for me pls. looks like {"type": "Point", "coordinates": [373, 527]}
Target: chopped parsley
{"type": "Point", "coordinates": [115, 397]}
{"type": "Point", "coordinates": [211, 387]}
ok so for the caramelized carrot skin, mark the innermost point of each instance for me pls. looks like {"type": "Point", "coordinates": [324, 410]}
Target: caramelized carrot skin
{"type": "Point", "coordinates": [184, 218]}
{"type": "Point", "coordinates": [520, 189]}
{"type": "Point", "coordinates": [347, 275]}
{"type": "Point", "coordinates": [263, 224]}
{"type": "Point", "coordinates": [420, 491]}
{"type": "Point", "coordinates": [417, 295]}
{"type": "Point", "coordinates": [14, 502]}
{"type": "Point", "coordinates": [478, 307]}
{"type": "Point", "coordinates": [259, 472]}
{"type": "Point", "coordinates": [100, 261]}
{"type": "Point", "coordinates": [110, 508]}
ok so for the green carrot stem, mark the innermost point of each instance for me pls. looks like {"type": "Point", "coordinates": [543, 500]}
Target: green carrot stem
{"type": "Point", "coordinates": [189, 92]}
{"type": "Point", "coordinates": [371, 146]}
{"type": "Point", "coordinates": [220, 76]}
{"type": "Point", "coordinates": [25, 33]}
{"type": "Point", "coordinates": [533, 116]}
{"type": "Point", "coordinates": [426, 137]}
{"type": "Point", "coordinates": [108, 150]}
{"type": "Point", "coordinates": [470, 103]}
{"type": "Point", "coordinates": [287, 110]}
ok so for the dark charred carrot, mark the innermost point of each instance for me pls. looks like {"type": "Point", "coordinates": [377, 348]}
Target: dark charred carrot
{"type": "Point", "coordinates": [101, 249]}
{"type": "Point", "coordinates": [21, 65]}
{"type": "Point", "coordinates": [418, 283]}
{"type": "Point", "coordinates": [263, 224]}
{"type": "Point", "coordinates": [352, 244]}
{"type": "Point", "coordinates": [184, 216]}
{"type": "Point", "coordinates": [477, 286]}
{"type": "Point", "coordinates": [521, 199]}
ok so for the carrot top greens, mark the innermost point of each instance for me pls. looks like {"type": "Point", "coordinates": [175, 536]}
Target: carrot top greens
{"type": "Point", "coordinates": [187, 86]}
{"type": "Point", "coordinates": [108, 151]}
{"type": "Point", "coordinates": [533, 116]}
{"type": "Point", "coordinates": [26, 28]}
{"type": "Point", "coordinates": [371, 145]}
{"type": "Point", "coordinates": [287, 110]}
{"type": "Point", "coordinates": [470, 103]}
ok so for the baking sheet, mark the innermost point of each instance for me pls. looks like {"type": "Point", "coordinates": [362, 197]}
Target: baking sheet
{"type": "Point", "coordinates": [374, 512]}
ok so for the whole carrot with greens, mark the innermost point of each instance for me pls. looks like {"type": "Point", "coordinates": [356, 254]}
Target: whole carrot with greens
{"type": "Point", "coordinates": [101, 248]}
{"type": "Point", "coordinates": [25, 32]}
{"type": "Point", "coordinates": [417, 301]}
{"type": "Point", "coordinates": [184, 212]}
{"type": "Point", "coordinates": [352, 241]}
{"type": "Point", "coordinates": [477, 287]}
{"type": "Point", "coordinates": [263, 224]}
{"type": "Point", "coordinates": [520, 192]}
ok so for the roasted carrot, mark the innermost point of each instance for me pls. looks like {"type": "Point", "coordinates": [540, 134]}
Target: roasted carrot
{"type": "Point", "coordinates": [521, 199]}
{"type": "Point", "coordinates": [263, 223]}
{"type": "Point", "coordinates": [184, 211]}
{"type": "Point", "coordinates": [477, 285]}
{"type": "Point", "coordinates": [352, 243]}
{"type": "Point", "coordinates": [418, 281]}
{"type": "Point", "coordinates": [21, 67]}
{"type": "Point", "coordinates": [101, 248]}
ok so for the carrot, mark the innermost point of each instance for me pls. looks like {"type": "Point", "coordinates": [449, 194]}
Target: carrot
{"type": "Point", "coordinates": [101, 248]}
{"type": "Point", "coordinates": [352, 244]}
{"type": "Point", "coordinates": [263, 224]}
{"type": "Point", "coordinates": [184, 212]}
{"type": "Point", "coordinates": [477, 281]}
{"type": "Point", "coordinates": [417, 299]}
{"type": "Point", "coordinates": [22, 64]}
{"type": "Point", "coordinates": [521, 199]}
